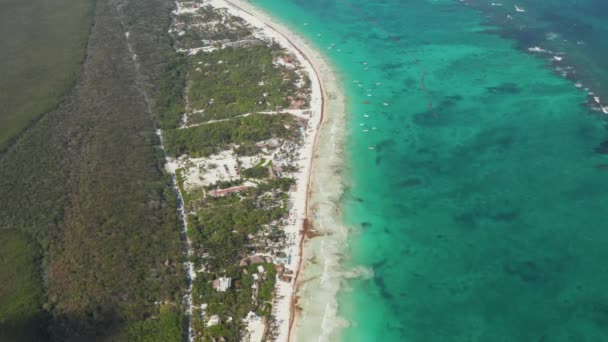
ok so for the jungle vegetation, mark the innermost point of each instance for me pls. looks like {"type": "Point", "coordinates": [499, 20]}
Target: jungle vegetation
{"type": "Point", "coordinates": [206, 139]}
{"type": "Point", "coordinates": [222, 231]}
{"type": "Point", "coordinates": [89, 236]}
{"type": "Point", "coordinates": [234, 81]}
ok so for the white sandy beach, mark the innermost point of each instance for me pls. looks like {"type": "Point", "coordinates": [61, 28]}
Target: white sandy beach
{"type": "Point", "coordinates": [318, 191]}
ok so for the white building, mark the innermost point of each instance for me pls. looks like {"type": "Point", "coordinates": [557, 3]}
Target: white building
{"type": "Point", "coordinates": [213, 320]}
{"type": "Point", "coordinates": [222, 284]}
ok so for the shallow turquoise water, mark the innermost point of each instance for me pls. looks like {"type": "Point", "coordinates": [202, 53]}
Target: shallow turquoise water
{"type": "Point", "coordinates": [485, 219]}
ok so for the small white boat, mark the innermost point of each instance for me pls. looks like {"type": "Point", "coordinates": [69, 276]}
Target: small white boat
{"type": "Point", "coordinates": [536, 49]}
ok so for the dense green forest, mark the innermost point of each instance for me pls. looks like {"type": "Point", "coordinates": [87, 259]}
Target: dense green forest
{"type": "Point", "coordinates": [233, 81]}
{"type": "Point", "coordinates": [89, 236]}
{"type": "Point", "coordinates": [42, 46]}
{"type": "Point", "coordinates": [20, 292]}
{"type": "Point", "coordinates": [207, 139]}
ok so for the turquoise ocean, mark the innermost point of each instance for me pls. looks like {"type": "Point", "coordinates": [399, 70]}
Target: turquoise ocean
{"type": "Point", "coordinates": [477, 165]}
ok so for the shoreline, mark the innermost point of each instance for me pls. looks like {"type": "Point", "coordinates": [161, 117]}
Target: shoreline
{"type": "Point", "coordinates": [328, 133]}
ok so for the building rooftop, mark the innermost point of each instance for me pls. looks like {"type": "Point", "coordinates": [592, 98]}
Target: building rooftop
{"type": "Point", "coordinates": [222, 192]}
{"type": "Point", "coordinates": [213, 320]}
{"type": "Point", "coordinates": [222, 284]}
